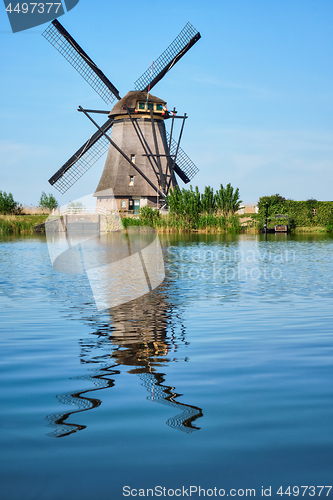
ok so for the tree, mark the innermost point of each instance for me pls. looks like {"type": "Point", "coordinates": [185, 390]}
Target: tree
{"type": "Point", "coordinates": [208, 201]}
{"type": "Point", "coordinates": [268, 206]}
{"type": "Point", "coordinates": [185, 205]}
{"type": "Point", "coordinates": [8, 205]}
{"type": "Point", "coordinates": [191, 206]}
{"type": "Point", "coordinates": [48, 201]}
{"type": "Point", "coordinates": [227, 200]}
{"type": "Point", "coordinates": [174, 200]}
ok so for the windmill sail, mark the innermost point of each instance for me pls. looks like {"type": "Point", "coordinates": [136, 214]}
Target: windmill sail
{"type": "Point", "coordinates": [82, 160]}
{"type": "Point", "coordinates": [184, 41]}
{"type": "Point", "coordinates": [164, 394]}
{"type": "Point", "coordinates": [184, 167]}
{"type": "Point", "coordinates": [56, 34]}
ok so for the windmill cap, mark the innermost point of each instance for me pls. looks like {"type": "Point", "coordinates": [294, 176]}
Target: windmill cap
{"type": "Point", "coordinates": [131, 99]}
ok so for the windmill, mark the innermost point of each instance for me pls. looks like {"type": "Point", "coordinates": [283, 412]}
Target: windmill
{"type": "Point", "coordinates": [143, 158]}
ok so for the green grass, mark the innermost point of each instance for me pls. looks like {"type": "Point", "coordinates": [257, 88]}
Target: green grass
{"type": "Point", "coordinates": [17, 224]}
{"type": "Point", "coordinates": [171, 224]}
{"type": "Point", "coordinates": [311, 229]}
{"type": "Point", "coordinates": [215, 224]}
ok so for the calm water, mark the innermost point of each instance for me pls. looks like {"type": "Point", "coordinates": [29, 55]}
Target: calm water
{"type": "Point", "coordinates": [220, 378]}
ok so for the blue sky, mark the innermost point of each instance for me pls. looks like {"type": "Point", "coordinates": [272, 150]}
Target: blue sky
{"type": "Point", "coordinates": [257, 89]}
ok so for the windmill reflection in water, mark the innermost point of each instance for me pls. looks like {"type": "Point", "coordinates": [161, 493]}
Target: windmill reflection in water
{"type": "Point", "coordinates": [142, 335]}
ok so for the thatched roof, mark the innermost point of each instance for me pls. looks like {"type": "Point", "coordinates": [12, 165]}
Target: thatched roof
{"type": "Point", "coordinates": [131, 99]}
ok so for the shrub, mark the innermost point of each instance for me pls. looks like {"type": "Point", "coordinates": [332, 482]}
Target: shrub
{"type": "Point", "coordinates": [149, 216]}
{"type": "Point", "coordinates": [131, 221]}
{"type": "Point", "coordinates": [301, 213]}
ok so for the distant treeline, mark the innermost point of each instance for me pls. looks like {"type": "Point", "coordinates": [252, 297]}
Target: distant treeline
{"type": "Point", "coordinates": [9, 206]}
{"type": "Point", "coordinates": [15, 219]}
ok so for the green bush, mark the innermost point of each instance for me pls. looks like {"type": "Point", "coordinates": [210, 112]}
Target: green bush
{"type": "Point", "coordinates": [185, 205]}
{"type": "Point", "coordinates": [234, 224]}
{"type": "Point", "coordinates": [208, 201]}
{"type": "Point", "coordinates": [131, 221]}
{"type": "Point", "coordinates": [207, 221]}
{"type": "Point", "coordinates": [192, 210]}
{"type": "Point", "coordinates": [149, 216]}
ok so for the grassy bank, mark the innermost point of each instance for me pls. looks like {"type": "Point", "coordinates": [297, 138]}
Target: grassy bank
{"type": "Point", "coordinates": [172, 224]}
{"type": "Point", "coordinates": [254, 222]}
{"type": "Point", "coordinates": [16, 224]}
{"type": "Point", "coordinates": [247, 223]}
{"type": "Point", "coordinates": [311, 214]}
{"type": "Point", "coordinates": [10, 224]}
{"type": "Point", "coordinates": [312, 229]}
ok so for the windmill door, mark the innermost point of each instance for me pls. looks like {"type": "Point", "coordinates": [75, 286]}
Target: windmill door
{"type": "Point", "coordinates": [136, 206]}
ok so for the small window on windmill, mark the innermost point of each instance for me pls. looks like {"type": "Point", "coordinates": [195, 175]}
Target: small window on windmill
{"type": "Point", "coordinates": [151, 105]}
{"type": "Point", "coordinates": [159, 107]}
{"type": "Point", "coordinates": [142, 105]}
{"type": "Point", "coordinates": [133, 158]}
{"type": "Point", "coordinates": [131, 180]}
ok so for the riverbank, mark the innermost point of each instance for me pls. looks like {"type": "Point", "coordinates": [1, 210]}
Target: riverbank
{"type": "Point", "coordinates": [10, 224]}
{"type": "Point", "coordinates": [311, 229]}
{"type": "Point", "coordinates": [245, 223]}
{"type": "Point", "coordinates": [28, 224]}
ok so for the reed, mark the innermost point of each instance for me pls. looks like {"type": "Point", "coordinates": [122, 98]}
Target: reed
{"type": "Point", "coordinates": [16, 224]}
{"type": "Point", "coordinates": [173, 224]}
{"type": "Point", "coordinates": [33, 210]}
